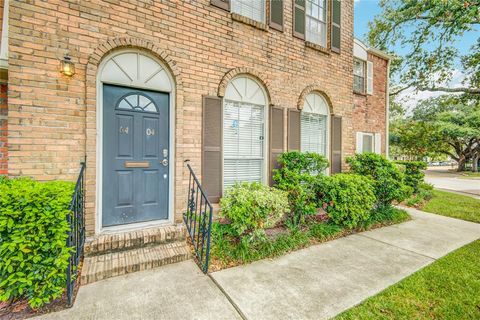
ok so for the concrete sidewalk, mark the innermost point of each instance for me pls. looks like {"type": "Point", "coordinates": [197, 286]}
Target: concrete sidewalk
{"type": "Point", "coordinates": [314, 283]}
{"type": "Point", "coordinates": [321, 281]}
{"type": "Point", "coordinates": [176, 291]}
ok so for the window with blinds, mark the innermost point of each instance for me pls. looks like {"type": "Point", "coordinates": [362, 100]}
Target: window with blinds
{"type": "Point", "coordinates": [314, 133]}
{"type": "Point", "coordinates": [316, 22]}
{"type": "Point", "coordinates": [243, 143]}
{"type": "Point", "coordinates": [253, 9]}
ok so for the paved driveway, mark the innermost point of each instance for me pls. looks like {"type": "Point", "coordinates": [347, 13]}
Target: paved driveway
{"type": "Point", "coordinates": [323, 280]}
{"type": "Point", "coordinates": [452, 181]}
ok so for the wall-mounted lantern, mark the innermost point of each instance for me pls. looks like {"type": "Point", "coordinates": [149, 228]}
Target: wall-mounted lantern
{"type": "Point", "coordinates": [67, 67]}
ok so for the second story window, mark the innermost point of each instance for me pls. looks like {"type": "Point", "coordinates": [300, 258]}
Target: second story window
{"type": "Point", "coordinates": [253, 9]}
{"type": "Point", "coordinates": [316, 22]}
{"type": "Point", "coordinates": [359, 76]}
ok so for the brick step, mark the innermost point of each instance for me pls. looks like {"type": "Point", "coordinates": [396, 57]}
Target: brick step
{"type": "Point", "coordinates": [117, 242]}
{"type": "Point", "coordinates": [112, 264]}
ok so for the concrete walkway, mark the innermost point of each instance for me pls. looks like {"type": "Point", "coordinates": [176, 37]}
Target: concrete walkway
{"type": "Point", "coordinates": [321, 281]}
{"type": "Point", "coordinates": [176, 291]}
{"type": "Point", "coordinates": [314, 283]}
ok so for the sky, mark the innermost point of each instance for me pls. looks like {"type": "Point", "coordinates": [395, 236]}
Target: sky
{"type": "Point", "coordinates": [365, 11]}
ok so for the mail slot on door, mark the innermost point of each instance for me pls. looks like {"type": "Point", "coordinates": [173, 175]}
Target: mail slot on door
{"type": "Point", "coordinates": [137, 164]}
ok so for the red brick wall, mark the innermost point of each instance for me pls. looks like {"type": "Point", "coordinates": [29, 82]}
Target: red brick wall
{"type": "Point", "coordinates": [369, 111]}
{"type": "Point", "coordinates": [3, 128]}
{"type": "Point", "coordinates": [52, 118]}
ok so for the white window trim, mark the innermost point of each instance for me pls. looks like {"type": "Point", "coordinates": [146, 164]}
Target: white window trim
{"type": "Point", "coordinates": [4, 39]}
{"type": "Point", "coordinates": [364, 75]}
{"type": "Point", "coordinates": [327, 131]}
{"type": "Point", "coordinates": [369, 77]}
{"type": "Point", "coordinates": [376, 140]}
{"type": "Point", "coordinates": [266, 131]}
{"type": "Point", "coordinates": [264, 13]}
{"type": "Point", "coordinates": [325, 23]}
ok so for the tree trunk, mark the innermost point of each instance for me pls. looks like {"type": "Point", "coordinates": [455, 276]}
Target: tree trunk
{"type": "Point", "coordinates": [476, 158]}
{"type": "Point", "coordinates": [461, 163]}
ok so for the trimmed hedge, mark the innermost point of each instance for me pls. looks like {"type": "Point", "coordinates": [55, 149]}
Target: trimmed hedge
{"type": "Point", "coordinates": [298, 175]}
{"type": "Point", "coordinates": [388, 180]}
{"type": "Point", "coordinates": [252, 207]}
{"type": "Point", "coordinates": [33, 234]}
{"type": "Point", "coordinates": [413, 173]}
{"type": "Point", "coordinates": [347, 198]}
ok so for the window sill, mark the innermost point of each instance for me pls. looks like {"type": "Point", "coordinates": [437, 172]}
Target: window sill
{"type": "Point", "coordinates": [317, 47]}
{"type": "Point", "coordinates": [363, 94]}
{"type": "Point", "coordinates": [250, 22]}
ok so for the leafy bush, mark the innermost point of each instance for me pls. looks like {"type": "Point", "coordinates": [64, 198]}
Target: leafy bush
{"type": "Point", "coordinates": [347, 198]}
{"type": "Point", "coordinates": [297, 175]}
{"type": "Point", "coordinates": [423, 194]}
{"type": "Point", "coordinates": [385, 215]}
{"type": "Point", "coordinates": [33, 235]}
{"type": "Point", "coordinates": [251, 207]}
{"type": "Point", "coordinates": [413, 173]}
{"type": "Point", "coordinates": [388, 181]}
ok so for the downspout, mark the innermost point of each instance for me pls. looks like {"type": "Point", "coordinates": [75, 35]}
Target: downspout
{"type": "Point", "coordinates": [387, 111]}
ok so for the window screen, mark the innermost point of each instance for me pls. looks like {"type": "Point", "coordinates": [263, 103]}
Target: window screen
{"type": "Point", "coordinates": [316, 22]}
{"type": "Point", "coordinates": [253, 9]}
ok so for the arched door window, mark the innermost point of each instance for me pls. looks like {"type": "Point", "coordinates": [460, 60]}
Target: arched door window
{"type": "Point", "coordinates": [314, 125]}
{"type": "Point", "coordinates": [244, 132]}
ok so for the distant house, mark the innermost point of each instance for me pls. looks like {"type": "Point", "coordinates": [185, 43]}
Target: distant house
{"type": "Point", "coordinates": [138, 87]}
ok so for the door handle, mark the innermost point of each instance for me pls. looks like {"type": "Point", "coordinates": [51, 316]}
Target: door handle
{"type": "Point", "coordinates": [165, 162]}
{"type": "Point", "coordinates": [137, 164]}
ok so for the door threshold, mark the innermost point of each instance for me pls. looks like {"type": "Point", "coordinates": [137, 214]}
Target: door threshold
{"type": "Point", "coordinates": [135, 226]}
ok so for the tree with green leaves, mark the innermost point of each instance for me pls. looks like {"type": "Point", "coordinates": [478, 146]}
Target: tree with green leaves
{"type": "Point", "coordinates": [429, 30]}
{"type": "Point", "coordinates": [447, 125]}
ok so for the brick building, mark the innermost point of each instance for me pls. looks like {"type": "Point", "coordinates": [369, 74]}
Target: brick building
{"type": "Point", "coordinates": [226, 84]}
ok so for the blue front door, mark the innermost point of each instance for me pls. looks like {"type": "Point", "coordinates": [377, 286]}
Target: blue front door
{"type": "Point", "coordinates": [135, 155]}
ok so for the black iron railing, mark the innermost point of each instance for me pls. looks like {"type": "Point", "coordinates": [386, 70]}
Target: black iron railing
{"type": "Point", "coordinates": [76, 234]}
{"type": "Point", "coordinates": [198, 218]}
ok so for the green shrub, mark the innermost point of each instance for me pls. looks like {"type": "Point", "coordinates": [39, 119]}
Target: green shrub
{"type": "Point", "coordinates": [385, 215]}
{"type": "Point", "coordinates": [33, 235]}
{"type": "Point", "coordinates": [347, 198]}
{"type": "Point", "coordinates": [388, 181]}
{"type": "Point", "coordinates": [413, 173]}
{"type": "Point", "coordinates": [297, 175]}
{"type": "Point", "coordinates": [251, 207]}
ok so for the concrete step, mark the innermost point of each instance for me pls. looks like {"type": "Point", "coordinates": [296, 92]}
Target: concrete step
{"type": "Point", "coordinates": [111, 264]}
{"type": "Point", "coordinates": [117, 242]}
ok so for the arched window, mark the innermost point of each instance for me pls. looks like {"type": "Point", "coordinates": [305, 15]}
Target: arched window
{"type": "Point", "coordinates": [244, 132]}
{"type": "Point", "coordinates": [314, 125]}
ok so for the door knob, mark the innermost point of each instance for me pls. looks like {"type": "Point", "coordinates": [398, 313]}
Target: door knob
{"type": "Point", "coordinates": [165, 162]}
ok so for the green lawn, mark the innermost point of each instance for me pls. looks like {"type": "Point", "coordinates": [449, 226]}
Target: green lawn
{"type": "Point", "coordinates": [470, 175]}
{"type": "Point", "coordinates": [447, 289]}
{"type": "Point", "coordinates": [453, 205]}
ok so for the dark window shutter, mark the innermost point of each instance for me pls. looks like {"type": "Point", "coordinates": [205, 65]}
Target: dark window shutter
{"type": "Point", "coordinates": [336, 144]}
{"type": "Point", "coordinates": [276, 14]}
{"type": "Point", "coordinates": [299, 18]}
{"type": "Point", "coordinates": [276, 138]}
{"type": "Point", "coordinates": [336, 30]}
{"type": "Point", "coordinates": [223, 4]}
{"type": "Point", "coordinates": [212, 148]}
{"type": "Point", "coordinates": [293, 130]}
